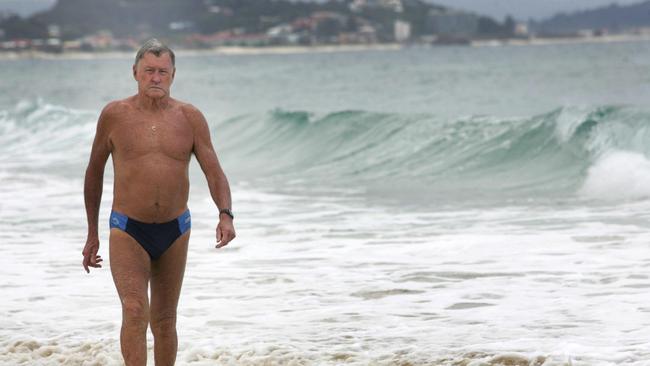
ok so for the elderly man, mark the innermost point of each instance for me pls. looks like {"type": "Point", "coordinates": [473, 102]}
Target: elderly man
{"type": "Point", "coordinates": [151, 137]}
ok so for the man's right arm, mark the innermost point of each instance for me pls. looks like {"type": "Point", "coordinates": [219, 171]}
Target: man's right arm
{"type": "Point", "coordinates": [93, 185]}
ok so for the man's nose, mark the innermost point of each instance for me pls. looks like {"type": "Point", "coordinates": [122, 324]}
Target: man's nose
{"type": "Point", "coordinates": [156, 77]}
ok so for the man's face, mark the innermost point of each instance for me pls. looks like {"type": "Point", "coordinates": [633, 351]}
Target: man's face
{"type": "Point", "coordinates": [154, 75]}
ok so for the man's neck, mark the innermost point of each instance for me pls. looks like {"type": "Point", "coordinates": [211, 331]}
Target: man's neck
{"type": "Point", "coordinates": [152, 104]}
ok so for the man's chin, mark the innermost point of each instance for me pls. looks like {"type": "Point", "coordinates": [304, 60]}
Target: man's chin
{"type": "Point", "coordinates": [155, 93]}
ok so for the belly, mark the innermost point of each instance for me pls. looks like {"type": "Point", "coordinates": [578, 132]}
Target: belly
{"type": "Point", "coordinates": [153, 188]}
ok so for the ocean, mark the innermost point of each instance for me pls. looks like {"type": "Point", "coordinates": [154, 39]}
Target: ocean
{"type": "Point", "coordinates": [460, 206]}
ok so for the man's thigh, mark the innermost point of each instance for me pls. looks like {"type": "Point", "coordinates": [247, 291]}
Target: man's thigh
{"type": "Point", "coordinates": [167, 278]}
{"type": "Point", "coordinates": [130, 266]}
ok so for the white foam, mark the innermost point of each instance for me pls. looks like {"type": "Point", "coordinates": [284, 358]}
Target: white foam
{"type": "Point", "coordinates": [618, 175]}
{"type": "Point", "coordinates": [325, 282]}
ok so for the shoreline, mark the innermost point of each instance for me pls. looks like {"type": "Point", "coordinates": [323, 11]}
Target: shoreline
{"type": "Point", "coordinates": [618, 38]}
{"type": "Point", "coordinates": [290, 50]}
{"type": "Point", "coordinates": [223, 51]}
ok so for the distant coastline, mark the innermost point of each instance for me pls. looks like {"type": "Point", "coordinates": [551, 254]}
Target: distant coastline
{"type": "Point", "coordinates": [223, 50]}
{"type": "Point", "coordinates": [535, 41]}
{"type": "Point", "coordinates": [284, 50]}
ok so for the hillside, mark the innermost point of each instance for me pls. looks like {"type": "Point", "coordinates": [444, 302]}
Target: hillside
{"type": "Point", "coordinates": [136, 17]}
{"type": "Point", "coordinates": [614, 18]}
{"type": "Point", "coordinates": [210, 23]}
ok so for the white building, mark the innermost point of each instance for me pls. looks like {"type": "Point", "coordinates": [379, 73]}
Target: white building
{"type": "Point", "coordinates": [54, 31]}
{"type": "Point", "coordinates": [521, 29]}
{"type": "Point", "coordinates": [402, 31]}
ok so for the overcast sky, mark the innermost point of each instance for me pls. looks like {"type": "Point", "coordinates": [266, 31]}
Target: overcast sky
{"type": "Point", "coordinates": [520, 9]}
{"type": "Point", "coordinates": [25, 7]}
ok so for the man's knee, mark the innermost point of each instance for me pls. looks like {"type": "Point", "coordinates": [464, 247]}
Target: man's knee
{"type": "Point", "coordinates": [163, 324]}
{"type": "Point", "coordinates": [135, 312]}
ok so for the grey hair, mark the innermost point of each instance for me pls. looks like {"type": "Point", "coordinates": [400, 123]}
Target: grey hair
{"type": "Point", "coordinates": [157, 48]}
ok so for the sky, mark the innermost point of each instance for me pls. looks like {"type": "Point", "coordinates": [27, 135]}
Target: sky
{"type": "Point", "coordinates": [520, 9]}
{"type": "Point", "coordinates": [25, 7]}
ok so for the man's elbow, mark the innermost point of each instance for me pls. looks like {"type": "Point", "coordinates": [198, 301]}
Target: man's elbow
{"type": "Point", "coordinates": [216, 178]}
{"type": "Point", "coordinates": [94, 171]}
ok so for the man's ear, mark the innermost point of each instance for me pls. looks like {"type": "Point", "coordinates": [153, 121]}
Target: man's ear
{"type": "Point", "coordinates": [135, 71]}
{"type": "Point", "coordinates": [174, 73]}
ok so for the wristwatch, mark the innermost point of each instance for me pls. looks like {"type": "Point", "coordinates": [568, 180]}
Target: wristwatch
{"type": "Point", "coordinates": [227, 211]}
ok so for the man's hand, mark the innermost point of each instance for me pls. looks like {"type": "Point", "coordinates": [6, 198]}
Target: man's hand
{"type": "Point", "coordinates": [91, 259]}
{"type": "Point", "coordinates": [225, 232]}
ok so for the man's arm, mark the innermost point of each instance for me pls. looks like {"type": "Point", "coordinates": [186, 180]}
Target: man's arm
{"type": "Point", "coordinates": [93, 186]}
{"type": "Point", "coordinates": [217, 181]}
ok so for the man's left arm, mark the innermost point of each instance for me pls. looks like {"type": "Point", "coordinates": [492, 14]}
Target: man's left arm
{"type": "Point", "coordinates": [217, 181]}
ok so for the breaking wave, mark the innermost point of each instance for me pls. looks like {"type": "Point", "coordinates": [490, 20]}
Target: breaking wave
{"type": "Point", "coordinates": [598, 152]}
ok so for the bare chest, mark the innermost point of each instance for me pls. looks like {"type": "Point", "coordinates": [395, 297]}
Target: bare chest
{"type": "Point", "coordinates": [170, 136]}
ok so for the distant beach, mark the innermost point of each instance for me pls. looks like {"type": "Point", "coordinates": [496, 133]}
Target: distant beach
{"type": "Point", "coordinates": [563, 40]}
{"type": "Point", "coordinates": [226, 50]}
{"type": "Point", "coordinates": [280, 50]}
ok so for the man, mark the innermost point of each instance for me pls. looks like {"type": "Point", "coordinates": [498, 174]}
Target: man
{"type": "Point", "coordinates": [151, 137]}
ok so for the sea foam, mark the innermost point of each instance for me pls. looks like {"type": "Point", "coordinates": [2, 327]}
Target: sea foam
{"type": "Point", "coordinates": [618, 175]}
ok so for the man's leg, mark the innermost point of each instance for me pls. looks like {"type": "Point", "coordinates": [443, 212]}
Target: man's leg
{"type": "Point", "coordinates": [166, 280]}
{"type": "Point", "coordinates": [131, 269]}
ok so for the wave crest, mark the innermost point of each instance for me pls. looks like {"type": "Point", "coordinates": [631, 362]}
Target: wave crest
{"type": "Point", "coordinates": [420, 155]}
{"type": "Point", "coordinates": [549, 153]}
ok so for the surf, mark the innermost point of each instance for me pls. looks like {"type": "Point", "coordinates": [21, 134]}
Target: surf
{"type": "Point", "coordinates": [567, 152]}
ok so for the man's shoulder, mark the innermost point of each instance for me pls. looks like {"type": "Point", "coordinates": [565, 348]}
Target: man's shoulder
{"type": "Point", "coordinates": [116, 108]}
{"type": "Point", "coordinates": [191, 113]}
{"type": "Point", "coordinates": [188, 109]}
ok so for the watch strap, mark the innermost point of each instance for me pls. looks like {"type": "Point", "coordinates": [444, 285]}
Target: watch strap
{"type": "Point", "coordinates": [226, 211]}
